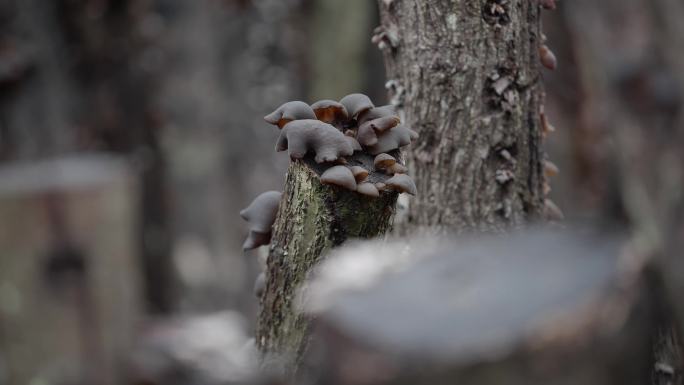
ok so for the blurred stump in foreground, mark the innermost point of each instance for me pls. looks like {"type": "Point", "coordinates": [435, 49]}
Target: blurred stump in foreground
{"type": "Point", "coordinates": [69, 276]}
{"type": "Point", "coordinates": [208, 349]}
{"type": "Point", "coordinates": [537, 308]}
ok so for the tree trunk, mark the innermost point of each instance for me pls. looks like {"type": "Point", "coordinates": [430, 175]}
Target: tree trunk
{"type": "Point", "coordinates": [467, 76]}
{"type": "Point", "coordinates": [83, 81]}
{"type": "Point", "coordinates": [312, 219]}
{"type": "Point", "coordinates": [636, 83]}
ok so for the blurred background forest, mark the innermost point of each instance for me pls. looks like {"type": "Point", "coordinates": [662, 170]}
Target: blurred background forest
{"type": "Point", "coordinates": [132, 133]}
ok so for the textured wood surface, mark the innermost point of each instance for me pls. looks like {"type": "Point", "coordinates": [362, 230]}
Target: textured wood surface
{"type": "Point", "coordinates": [467, 76]}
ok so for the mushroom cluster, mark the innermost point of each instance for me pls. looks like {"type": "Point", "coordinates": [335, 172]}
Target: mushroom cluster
{"type": "Point", "coordinates": [350, 144]}
{"type": "Point", "coordinates": [339, 134]}
{"type": "Point", "coordinates": [351, 141]}
{"type": "Point", "coordinates": [260, 215]}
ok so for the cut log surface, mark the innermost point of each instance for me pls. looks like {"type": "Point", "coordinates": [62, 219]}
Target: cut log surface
{"type": "Point", "coordinates": [526, 309]}
{"type": "Point", "coordinates": [313, 218]}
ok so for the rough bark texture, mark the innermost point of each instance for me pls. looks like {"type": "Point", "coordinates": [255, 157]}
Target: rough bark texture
{"type": "Point", "coordinates": [312, 219]}
{"type": "Point", "coordinates": [467, 76]}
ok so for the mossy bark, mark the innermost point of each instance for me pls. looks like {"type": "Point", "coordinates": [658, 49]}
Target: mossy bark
{"type": "Point", "coordinates": [312, 219]}
{"type": "Point", "coordinates": [466, 76]}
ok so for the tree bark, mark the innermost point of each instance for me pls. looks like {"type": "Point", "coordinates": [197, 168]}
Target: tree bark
{"type": "Point", "coordinates": [312, 219]}
{"type": "Point", "coordinates": [467, 77]}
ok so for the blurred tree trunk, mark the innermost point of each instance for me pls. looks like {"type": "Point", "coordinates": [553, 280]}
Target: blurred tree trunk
{"type": "Point", "coordinates": [466, 75]}
{"type": "Point", "coordinates": [79, 79]}
{"type": "Point", "coordinates": [340, 54]}
{"type": "Point", "coordinates": [628, 135]}
{"type": "Point", "coordinates": [228, 63]}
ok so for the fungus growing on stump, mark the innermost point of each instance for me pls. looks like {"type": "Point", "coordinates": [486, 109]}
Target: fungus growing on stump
{"type": "Point", "coordinates": [339, 176]}
{"type": "Point", "coordinates": [369, 131]}
{"type": "Point", "coordinates": [356, 104]}
{"type": "Point", "coordinates": [260, 214]}
{"type": "Point", "coordinates": [288, 112]}
{"type": "Point", "coordinates": [396, 137]}
{"type": "Point", "coordinates": [334, 191]}
{"type": "Point", "coordinates": [325, 141]}
{"type": "Point", "coordinates": [330, 111]}
{"type": "Point", "coordinates": [402, 183]}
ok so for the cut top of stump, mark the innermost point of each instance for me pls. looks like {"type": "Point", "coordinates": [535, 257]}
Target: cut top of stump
{"type": "Point", "coordinates": [479, 300]}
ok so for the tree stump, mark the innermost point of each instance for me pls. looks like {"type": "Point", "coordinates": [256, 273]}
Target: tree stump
{"type": "Point", "coordinates": [538, 308]}
{"type": "Point", "coordinates": [312, 219]}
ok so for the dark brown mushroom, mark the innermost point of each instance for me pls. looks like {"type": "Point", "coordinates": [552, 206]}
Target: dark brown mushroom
{"type": "Point", "coordinates": [383, 161]}
{"type": "Point", "coordinates": [260, 285]}
{"type": "Point", "coordinates": [302, 136]}
{"type": "Point", "coordinates": [329, 111]}
{"type": "Point", "coordinates": [368, 189]}
{"type": "Point", "coordinates": [392, 139]}
{"type": "Point", "coordinates": [550, 169]}
{"type": "Point", "coordinates": [396, 169]}
{"type": "Point", "coordinates": [548, 59]}
{"type": "Point", "coordinates": [369, 131]}
{"type": "Point", "coordinates": [552, 212]}
{"type": "Point", "coordinates": [260, 215]}
{"type": "Point", "coordinates": [356, 146]}
{"type": "Point", "coordinates": [377, 112]}
{"type": "Point", "coordinates": [360, 173]}
{"type": "Point", "coordinates": [402, 183]}
{"type": "Point", "coordinates": [255, 239]}
{"type": "Point", "coordinates": [339, 176]}
{"type": "Point", "coordinates": [288, 112]}
{"type": "Point", "coordinates": [356, 104]}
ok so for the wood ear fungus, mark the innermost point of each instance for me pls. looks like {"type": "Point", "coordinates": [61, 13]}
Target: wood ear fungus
{"type": "Point", "coordinates": [288, 112]}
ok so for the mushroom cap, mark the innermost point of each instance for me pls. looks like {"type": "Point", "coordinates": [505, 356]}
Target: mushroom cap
{"type": "Point", "coordinates": [329, 111]}
{"type": "Point", "coordinates": [356, 146]}
{"type": "Point", "coordinates": [256, 239]}
{"type": "Point", "coordinates": [392, 139]}
{"type": "Point", "coordinates": [260, 285]}
{"type": "Point", "coordinates": [552, 212]}
{"type": "Point", "coordinates": [547, 57]}
{"type": "Point", "coordinates": [550, 169]}
{"type": "Point", "coordinates": [383, 161]}
{"type": "Point", "coordinates": [380, 186]}
{"type": "Point", "coordinates": [302, 136]}
{"type": "Point", "coordinates": [368, 189]}
{"type": "Point", "coordinates": [396, 168]}
{"type": "Point", "coordinates": [402, 183]}
{"type": "Point", "coordinates": [288, 112]}
{"type": "Point", "coordinates": [360, 173]}
{"type": "Point", "coordinates": [368, 131]}
{"type": "Point", "coordinates": [356, 104]}
{"type": "Point", "coordinates": [377, 112]}
{"type": "Point", "coordinates": [339, 176]}
{"type": "Point", "coordinates": [261, 213]}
